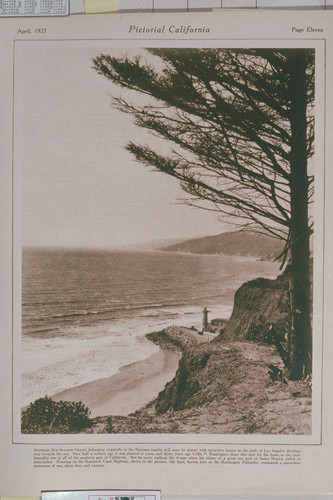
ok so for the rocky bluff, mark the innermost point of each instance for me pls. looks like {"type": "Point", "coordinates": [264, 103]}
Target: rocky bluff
{"type": "Point", "coordinates": [258, 305]}
{"type": "Point", "coordinates": [207, 371]}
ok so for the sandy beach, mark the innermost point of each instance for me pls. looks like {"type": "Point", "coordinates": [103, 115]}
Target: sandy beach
{"type": "Point", "coordinates": [220, 388]}
{"type": "Point", "coordinates": [132, 387]}
{"type": "Point", "coordinates": [215, 387]}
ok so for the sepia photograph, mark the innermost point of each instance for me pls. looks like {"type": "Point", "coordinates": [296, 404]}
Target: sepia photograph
{"type": "Point", "coordinates": [165, 234]}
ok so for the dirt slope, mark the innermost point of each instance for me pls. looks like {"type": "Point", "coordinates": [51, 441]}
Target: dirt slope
{"type": "Point", "coordinates": [219, 388]}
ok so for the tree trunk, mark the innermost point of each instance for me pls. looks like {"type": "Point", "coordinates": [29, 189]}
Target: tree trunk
{"type": "Point", "coordinates": [300, 355]}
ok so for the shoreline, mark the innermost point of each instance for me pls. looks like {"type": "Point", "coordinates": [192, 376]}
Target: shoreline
{"type": "Point", "coordinates": [221, 387]}
{"type": "Point", "coordinates": [132, 387]}
{"type": "Point", "coordinates": [194, 386]}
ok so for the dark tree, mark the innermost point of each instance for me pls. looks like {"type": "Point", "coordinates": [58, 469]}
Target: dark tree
{"type": "Point", "coordinates": [240, 123]}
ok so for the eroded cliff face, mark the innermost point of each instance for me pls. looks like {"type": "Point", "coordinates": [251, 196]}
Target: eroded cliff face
{"type": "Point", "coordinates": [205, 373]}
{"type": "Point", "coordinates": [221, 388]}
{"type": "Point", "coordinates": [259, 305]}
{"type": "Point", "coordinates": [207, 370]}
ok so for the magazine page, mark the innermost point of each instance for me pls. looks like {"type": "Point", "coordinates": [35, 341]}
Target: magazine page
{"type": "Point", "coordinates": [166, 240]}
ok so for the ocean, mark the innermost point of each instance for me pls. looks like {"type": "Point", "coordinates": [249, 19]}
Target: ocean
{"type": "Point", "coordinates": [85, 312]}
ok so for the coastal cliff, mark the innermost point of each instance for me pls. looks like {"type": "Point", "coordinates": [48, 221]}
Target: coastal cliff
{"type": "Point", "coordinates": [204, 375]}
{"type": "Point", "coordinates": [219, 388]}
{"type": "Point", "coordinates": [258, 305]}
{"type": "Point", "coordinates": [223, 386]}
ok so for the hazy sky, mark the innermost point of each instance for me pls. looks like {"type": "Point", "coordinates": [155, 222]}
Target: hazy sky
{"type": "Point", "coordinates": [80, 187]}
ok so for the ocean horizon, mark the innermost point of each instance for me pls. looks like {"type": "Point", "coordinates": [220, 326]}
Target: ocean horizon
{"type": "Point", "coordinates": [85, 312]}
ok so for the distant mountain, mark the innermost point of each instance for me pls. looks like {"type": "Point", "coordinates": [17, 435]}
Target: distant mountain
{"type": "Point", "coordinates": [231, 243]}
{"type": "Point", "coordinates": [153, 244]}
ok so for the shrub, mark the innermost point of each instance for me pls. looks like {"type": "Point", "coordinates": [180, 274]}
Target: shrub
{"type": "Point", "coordinates": [45, 416]}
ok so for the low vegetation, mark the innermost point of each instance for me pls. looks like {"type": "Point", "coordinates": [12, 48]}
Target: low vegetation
{"type": "Point", "coordinates": [45, 416]}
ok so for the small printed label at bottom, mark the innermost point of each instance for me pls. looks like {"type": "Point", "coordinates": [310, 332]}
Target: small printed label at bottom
{"type": "Point", "coordinates": [102, 495]}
